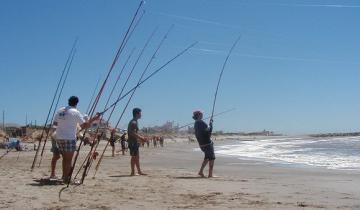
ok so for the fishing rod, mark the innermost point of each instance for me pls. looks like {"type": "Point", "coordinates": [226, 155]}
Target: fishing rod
{"type": "Point", "coordinates": [7, 152]}
{"type": "Point", "coordinates": [148, 77]}
{"type": "Point", "coordinates": [215, 115]}
{"type": "Point", "coordinates": [18, 155]}
{"type": "Point", "coordinates": [87, 167]}
{"type": "Point", "coordinates": [88, 156]}
{"type": "Point", "coordinates": [221, 73]}
{"type": "Point", "coordinates": [127, 60]}
{"type": "Point", "coordinates": [119, 51]}
{"type": "Point", "coordinates": [51, 106]}
{"type": "Point", "coordinates": [96, 101]}
{"type": "Point", "coordinates": [92, 96]}
{"type": "Point", "coordinates": [132, 94]}
{"type": "Point", "coordinates": [89, 159]}
{"type": "Point", "coordinates": [57, 103]}
{"type": "Point", "coordinates": [118, 78]}
{"type": "Point", "coordinates": [126, 41]}
{"type": "Point", "coordinates": [120, 94]}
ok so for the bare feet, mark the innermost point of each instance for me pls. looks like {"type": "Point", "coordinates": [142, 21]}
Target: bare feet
{"type": "Point", "coordinates": [138, 174]}
{"type": "Point", "coordinates": [201, 174]}
{"type": "Point", "coordinates": [142, 174]}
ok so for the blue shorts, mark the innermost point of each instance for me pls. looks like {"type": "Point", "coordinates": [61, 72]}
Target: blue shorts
{"type": "Point", "coordinates": [65, 145]}
{"type": "Point", "coordinates": [134, 148]}
{"type": "Point", "coordinates": [208, 151]}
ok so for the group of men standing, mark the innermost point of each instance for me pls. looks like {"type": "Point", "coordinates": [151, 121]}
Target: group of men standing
{"type": "Point", "coordinates": [67, 120]}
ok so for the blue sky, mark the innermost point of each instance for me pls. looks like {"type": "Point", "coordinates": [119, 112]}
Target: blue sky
{"type": "Point", "coordinates": [295, 69]}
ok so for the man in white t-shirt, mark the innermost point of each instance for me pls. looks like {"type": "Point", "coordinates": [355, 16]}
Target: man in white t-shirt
{"type": "Point", "coordinates": [66, 121]}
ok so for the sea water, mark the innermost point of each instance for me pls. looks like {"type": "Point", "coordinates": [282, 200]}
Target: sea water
{"type": "Point", "coordinates": [331, 153]}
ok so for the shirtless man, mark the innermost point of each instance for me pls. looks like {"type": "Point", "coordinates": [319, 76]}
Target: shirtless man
{"type": "Point", "coordinates": [134, 141]}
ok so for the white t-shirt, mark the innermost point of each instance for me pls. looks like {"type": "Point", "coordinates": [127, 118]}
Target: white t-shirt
{"type": "Point", "coordinates": [67, 119]}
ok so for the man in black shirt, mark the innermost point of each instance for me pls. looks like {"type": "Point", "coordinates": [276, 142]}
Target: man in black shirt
{"type": "Point", "coordinates": [134, 140]}
{"type": "Point", "coordinates": [203, 134]}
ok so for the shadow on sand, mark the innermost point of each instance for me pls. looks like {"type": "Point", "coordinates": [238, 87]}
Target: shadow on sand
{"type": "Point", "coordinates": [45, 182]}
{"type": "Point", "coordinates": [121, 176]}
{"type": "Point", "coordinates": [189, 177]}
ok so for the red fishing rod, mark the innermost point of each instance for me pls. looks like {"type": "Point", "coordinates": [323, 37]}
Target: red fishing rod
{"type": "Point", "coordinates": [220, 76]}
{"type": "Point", "coordinates": [132, 70]}
{"type": "Point", "coordinates": [57, 103]}
{"type": "Point", "coordinates": [132, 94]}
{"type": "Point", "coordinates": [97, 84]}
{"type": "Point", "coordinates": [147, 78]}
{"type": "Point", "coordinates": [87, 166]}
{"type": "Point", "coordinates": [117, 79]}
{"type": "Point", "coordinates": [89, 158]}
{"type": "Point", "coordinates": [51, 106]}
{"type": "Point", "coordinates": [119, 51]}
{"type": "Point", "coordinates": [122, 47]}
{"type": "Point", "coordinates": [96, 101]}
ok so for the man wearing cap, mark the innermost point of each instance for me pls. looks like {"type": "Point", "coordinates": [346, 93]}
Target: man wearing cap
{"type": "Point", "coordinates": [66, 121]}
{"type": "Point", "coordinates": [203, 134]}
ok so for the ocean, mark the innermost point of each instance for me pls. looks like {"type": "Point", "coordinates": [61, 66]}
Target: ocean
{"type": "Point", "coordinates": [332, 153]}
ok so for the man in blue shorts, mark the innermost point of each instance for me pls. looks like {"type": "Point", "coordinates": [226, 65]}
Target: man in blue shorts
{"type": "Point", "coordinates": [203, 134]}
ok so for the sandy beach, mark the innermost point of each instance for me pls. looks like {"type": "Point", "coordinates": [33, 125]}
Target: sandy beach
{"type": "Point", "coordinates": [172, 183]}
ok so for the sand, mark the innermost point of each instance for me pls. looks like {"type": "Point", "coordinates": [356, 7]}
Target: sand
{"type": "Point", "coordinates": [172, 183]}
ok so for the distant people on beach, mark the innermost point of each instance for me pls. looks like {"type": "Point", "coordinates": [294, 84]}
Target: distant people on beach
{"type": "Point", "coordinates": [112, 141]}
{"type": "Point", "coordinates": [66, 121]}
{"type": "Point", "coordinates": [161, 141]}
{"type": "Point", "coordinates": [13, 143]}
{"type": "Point", "coordinates": [123, 143]}
{"type": "Point", "coordinates": [148, 143]}
{"type": "Point", "coordinates": [134, 141]}
{"type": "Point", "coordinates": [155, 141]}
{"type": "Point", "coordinates": [203, 134]}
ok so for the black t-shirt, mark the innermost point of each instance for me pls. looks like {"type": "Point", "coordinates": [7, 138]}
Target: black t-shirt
{"type": "Point", "coordinates": [202, 132]}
